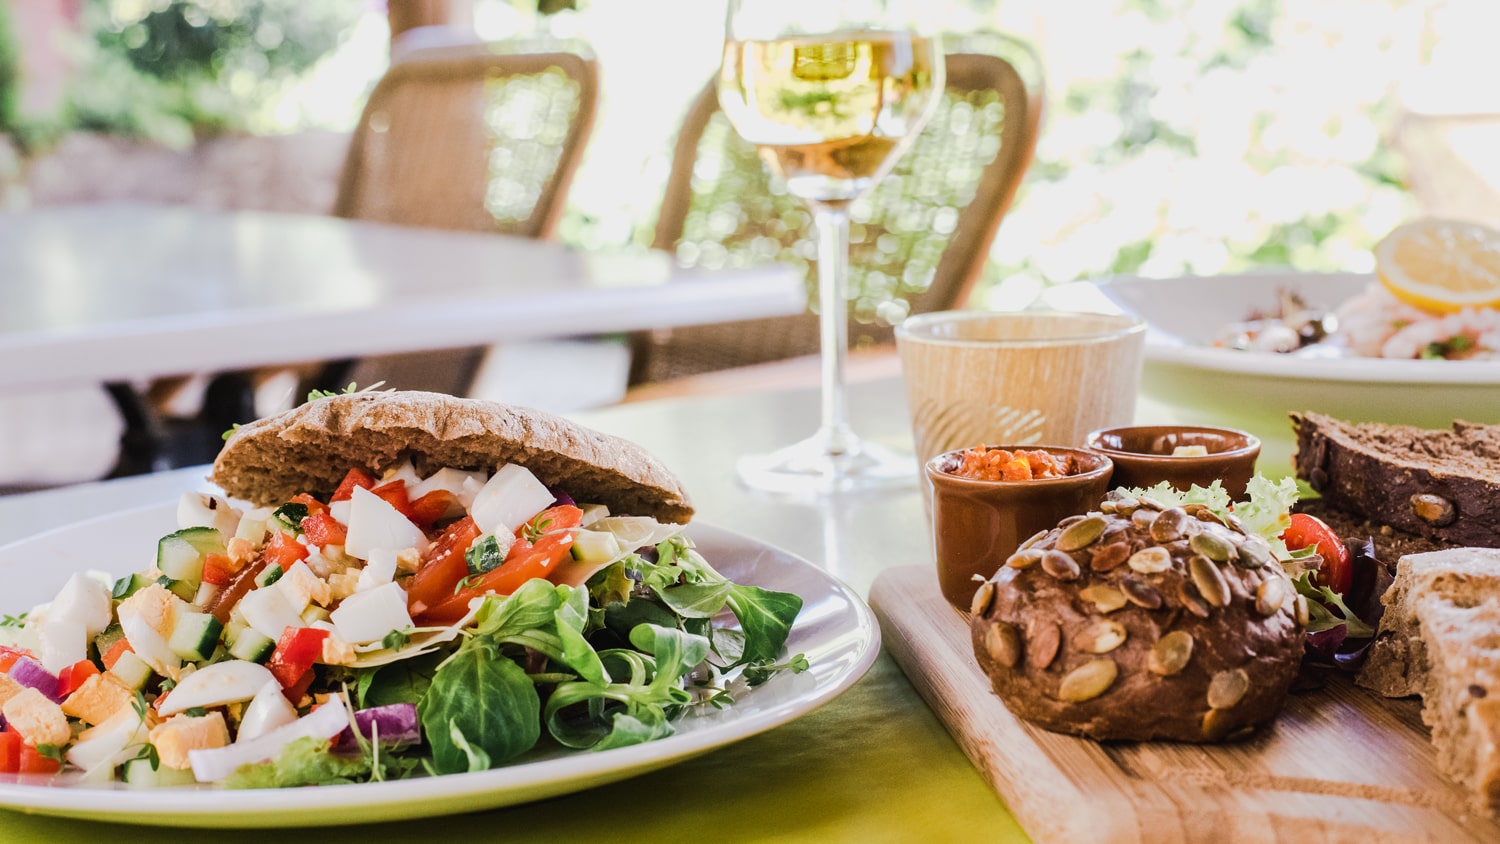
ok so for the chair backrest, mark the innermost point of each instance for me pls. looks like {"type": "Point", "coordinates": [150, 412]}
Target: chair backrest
{"type": "Point", "coordinates": [918, 242]}
{"type": "Point", "coordinates": [469, 137]}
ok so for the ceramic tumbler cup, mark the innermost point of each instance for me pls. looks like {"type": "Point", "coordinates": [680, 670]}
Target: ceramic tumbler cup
{"type": "Point", "coordinates": [978, 524]}
{"type": "Point", "coordinates": [1024, 377]}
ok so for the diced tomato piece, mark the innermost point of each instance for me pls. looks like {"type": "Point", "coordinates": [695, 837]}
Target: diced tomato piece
{"type": "Point", "coordinates": [395, 495]}
{"type": "Point", "coordinates": [313, 505]}
{"type": "Point", "coordinates": [526, 560]}
{"type": "Point", "coordinates": [10, 751]}
{"type": "Point", "coordinates": [217, 569]}
{"type": "Point", "coordinates": [295, 692]}
{"type": "Point", "coordinates": [9, 656]}
{"type": "Point", "coordinates": [71, 677]}
{"type": "Point", "coordinates": [443, 566]}
{"type": "Point", "coordinates": [323, 529]}
{"type": "Point", "coordinates": [239, 587]}
{"type": "Point", "coordinates": [112, 656]}
{"type": "Point", "coordinates": [296, 651]}
{"type": "Point", "coordinates": [355, 477]}
{"type": "Point", "coordinates": [32, 762]}
{"type": "Point", "coordinates": [432, 507]}
{"type": "Point", "coordinates": [283, 550]}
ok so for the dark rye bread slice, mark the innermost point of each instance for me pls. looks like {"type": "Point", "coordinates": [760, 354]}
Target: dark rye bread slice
{"type": "Point", "coordinates": [1442, 485]}
{"type": "Point", "coordinates": [310, 449]}
{"type": "Point", "coordinates": [1390, 544]}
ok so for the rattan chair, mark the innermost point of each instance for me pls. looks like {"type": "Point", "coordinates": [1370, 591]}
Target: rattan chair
{"type": "Point", "coordinates": [918, 242]}
{"type": "Point", "coordinates": [473, 137]}
{"type": "Point", "coordinates": [467, 136]}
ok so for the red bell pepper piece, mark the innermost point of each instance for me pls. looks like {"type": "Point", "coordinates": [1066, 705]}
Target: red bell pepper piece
{"type": "Point", "coordinates": [10, 751]}
{"type": "Point", "coordinates": [217, 569]}
{"type": "Point", "coordinates": [355, 477]}
{"type": "Point", "coordinates": [296, 651]}
{"type": "Point", "coordinates": [73, 676]}
{"type": "Point", "coordinates": [323, 529]}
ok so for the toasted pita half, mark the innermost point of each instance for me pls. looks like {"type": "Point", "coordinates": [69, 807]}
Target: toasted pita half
{"type": "Point", "coordinates": [310, 449]}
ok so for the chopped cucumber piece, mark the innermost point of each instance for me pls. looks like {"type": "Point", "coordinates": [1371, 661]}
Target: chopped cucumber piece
{"type": "Point", "coordinates": [195, 636]}
{"type": "Point", "coordinates": [594, 546]}
{"type": "Point", "coordinates": [138, 773]}
{"type": "Point", "coordinates": [180, 555]}
{"type": "Point", "coordinates": [107, 638]}
{"type": "Point", "coordinates": [268, 577]}
{"type": "Point", "coordinates": [314, 613]}
{"type": "Point", "coordinates": [129, 585]}
{"type": "Point", "coordinates": [132, 670]}
{"type": "Point", "coordinates": [253, 526]}
{"type": "Point", "coordinates": [181, 588]}
{"type": "Point", "coordinates": [251, 646]}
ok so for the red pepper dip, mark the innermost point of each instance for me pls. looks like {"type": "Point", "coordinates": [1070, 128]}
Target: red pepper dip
{"type": "Point", "coordinates": [998, 464]}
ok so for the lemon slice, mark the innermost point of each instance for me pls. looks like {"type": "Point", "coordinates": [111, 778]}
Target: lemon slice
{"type": "Point", "coordinates": [1441, 265]}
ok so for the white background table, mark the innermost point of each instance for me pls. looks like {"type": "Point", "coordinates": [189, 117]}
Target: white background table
{"type": "Point", "coordinates": [96, 293]}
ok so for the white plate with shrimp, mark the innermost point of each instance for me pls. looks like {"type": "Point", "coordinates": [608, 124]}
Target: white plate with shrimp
{"type": "Point", "coordinates": [1254, 391]}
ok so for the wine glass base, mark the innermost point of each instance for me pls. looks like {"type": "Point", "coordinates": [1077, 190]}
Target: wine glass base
{"type": "Point", "coordinates": [807, 468]}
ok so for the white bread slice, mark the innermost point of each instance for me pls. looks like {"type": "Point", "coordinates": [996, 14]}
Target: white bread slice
{"type": "Point", "coordinates": [1440, 638]}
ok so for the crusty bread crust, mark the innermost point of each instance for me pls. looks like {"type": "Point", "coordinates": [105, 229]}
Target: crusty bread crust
{"type": "Point", "coordinates": [310, 448]}
{"type": "Point", "coordinates": [1437, 639]}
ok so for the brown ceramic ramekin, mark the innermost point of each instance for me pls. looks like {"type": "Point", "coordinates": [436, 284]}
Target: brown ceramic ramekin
{"type": "Point", "coordinates": [1143, 456]}
{"type": "Point", "coordinates": [978, 524]}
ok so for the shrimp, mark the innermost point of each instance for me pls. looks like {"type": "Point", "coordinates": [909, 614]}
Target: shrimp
{"type": "Point", "coordinates": [1468, 334]}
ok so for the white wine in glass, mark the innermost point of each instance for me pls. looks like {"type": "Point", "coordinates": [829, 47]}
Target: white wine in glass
{"type": "Point", "coordinates": [831, 92]}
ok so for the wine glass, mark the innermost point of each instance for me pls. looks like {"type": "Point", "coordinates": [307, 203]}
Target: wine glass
{"type": "Point", "coordinates": [831, 92]}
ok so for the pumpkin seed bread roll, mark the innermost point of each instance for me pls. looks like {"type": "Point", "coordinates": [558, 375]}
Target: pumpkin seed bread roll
{"type": "Point", "coordinates": [310, 448]}
{"type": "Point", "coordinates": [1141, 622]}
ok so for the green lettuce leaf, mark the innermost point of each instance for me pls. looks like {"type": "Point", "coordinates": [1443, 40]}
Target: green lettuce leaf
{"type": "Point", "coordinates": [485, 699]}
{"type": "Point", "coordinates": [1321, 617]}
{"type": "Point", "coordinates": [1265, 512]}
{"type": "Point", "coordinates": [306, 761]}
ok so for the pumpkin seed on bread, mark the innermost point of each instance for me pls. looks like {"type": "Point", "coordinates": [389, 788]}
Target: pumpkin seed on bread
{"type": "Point", "coordinates": [310, 448]}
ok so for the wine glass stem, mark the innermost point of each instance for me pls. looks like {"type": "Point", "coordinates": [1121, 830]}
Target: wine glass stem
{"type": "Point", "coordinates": [832, 224]}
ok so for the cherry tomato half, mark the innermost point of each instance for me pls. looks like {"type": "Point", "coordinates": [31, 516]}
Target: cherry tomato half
{"type": "Point", "coordinates": [1337, 572]}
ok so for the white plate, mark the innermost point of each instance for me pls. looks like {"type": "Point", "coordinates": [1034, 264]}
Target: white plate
{"type": "Point", "coordinates": [835, 630]}
{"type": "Point", "coordinates": [1255, 390]}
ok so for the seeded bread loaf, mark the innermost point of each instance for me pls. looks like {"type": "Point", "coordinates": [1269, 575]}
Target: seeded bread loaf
{"type": "Point", "coordinates": [1440, 638]}
{"type": "Point", "coordinates": [1141, 623]}
{"type": "Point", "coordinates": [1443, 485]}
{"type": "Point", "coordinates": [310, 448]}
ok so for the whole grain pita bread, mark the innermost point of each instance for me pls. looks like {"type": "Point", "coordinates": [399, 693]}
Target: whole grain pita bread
{"type": "Point", "coordinates": [310, 449]}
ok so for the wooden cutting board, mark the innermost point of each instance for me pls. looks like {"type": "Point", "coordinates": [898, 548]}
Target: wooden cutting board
{"type": "Point", "coordinates": [1340, 764]}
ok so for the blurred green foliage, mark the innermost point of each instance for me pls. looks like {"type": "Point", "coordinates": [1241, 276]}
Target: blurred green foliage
{"type": "Point", "coordinates": [175, 70]}
{"type": "Point", "coordinates": [9, 73]}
